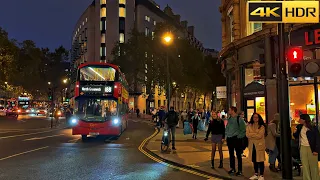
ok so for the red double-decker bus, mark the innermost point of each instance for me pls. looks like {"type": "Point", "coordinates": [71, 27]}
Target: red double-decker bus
{"type": "Point", "coordinates": [100, 100]}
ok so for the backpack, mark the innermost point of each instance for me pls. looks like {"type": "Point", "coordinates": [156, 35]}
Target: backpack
{"type": "Point", "coordinates": [244, 140]}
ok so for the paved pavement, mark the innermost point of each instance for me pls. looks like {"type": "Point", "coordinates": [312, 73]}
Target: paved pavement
{"type": "Point", "coordinates": [197, 154]}
{"type": "Point", "coordinates": [31, 153]}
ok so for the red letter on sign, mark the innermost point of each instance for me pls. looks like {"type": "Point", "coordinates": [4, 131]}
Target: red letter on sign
{"type": "Point", "coordinates": [317, 36]}
{"type": "Point", "coordinates": [306, 39]}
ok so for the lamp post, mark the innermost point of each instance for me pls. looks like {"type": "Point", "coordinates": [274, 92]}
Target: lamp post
{"type": "Point", "coordinates": [167, 39]}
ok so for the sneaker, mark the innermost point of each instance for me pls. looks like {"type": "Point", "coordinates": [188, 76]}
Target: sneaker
{"type": "Point", "coordinates": [239, 173]}
{"type": "Point", "coordinates": [254, 177]}
{"type": "Point", "coordinates": [232, 171]}
{"type": "Point", "coordinates": [261, 178]}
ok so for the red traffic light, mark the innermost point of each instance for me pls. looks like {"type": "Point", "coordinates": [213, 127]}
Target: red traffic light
{"type": "Point", "coordinates": [295, 54]}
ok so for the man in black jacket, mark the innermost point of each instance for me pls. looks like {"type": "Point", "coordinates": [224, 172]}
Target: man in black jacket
{"type": "Point", "coordinates": [171, 120]}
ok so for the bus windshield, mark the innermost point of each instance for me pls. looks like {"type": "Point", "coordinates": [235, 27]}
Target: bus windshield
{"type": "Point", "coordinates": [97, 74]}
{"type": "Point", "coordinates": [96, 110]}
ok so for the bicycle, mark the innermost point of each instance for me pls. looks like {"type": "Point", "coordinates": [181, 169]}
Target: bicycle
{"type": "Point", "coordinates": [166, 139]}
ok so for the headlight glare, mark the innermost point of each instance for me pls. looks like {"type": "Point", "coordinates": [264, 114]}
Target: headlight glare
{"type": "Point", "coordinates": [116, 121]}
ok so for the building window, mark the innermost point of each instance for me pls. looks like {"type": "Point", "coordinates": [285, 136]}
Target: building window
{"type": "Point", "coordinates": [103, 38]}
{"type": "Point", "coordinates": [122, 1]}
{"type": "Point", "coordinates": [122, 25]}
{"type": "Point", "coordinates": [146, 54]}
{"type": "Point", "coordinates": [86, 19]}
{"type": "Point", "coordinates": [253, 27]}
{"type": "Point", "coordinates": [80, 26]}
{"type": "Point", "coordinates": [154, 22]}
{"type": "Point", "coordinates": [103, 1]}
{"type": "Point", "coordinates": [147, 31]}
{"type": "Point", "coordinates": [122, 12]}
{"type": "Point", "coordinates": [152, 34]}
{"type": "Point", "coordinates": [146, 66]}
{"type": "Point", "coordinates": [230, 18]}
{"type": "Point", "coordinates": [86, 32]}
{"type": "Point", "coordinates": [103, 12]}
{"type": "Point", "coordinates": [83, 23]}
{"type": "Point", "coordinates": [121, 38]}
{"type": "Point", "coordinates": [147, 18]}
{"type": "Point", "coordinates": [103, 51]}
{"type": "Point", "coordinates": [103, 25]}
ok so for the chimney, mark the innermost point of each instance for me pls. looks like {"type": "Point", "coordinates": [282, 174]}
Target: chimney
{"type": "Point", "coordinates": [191, 30]}
{"type": "Point", "coordinates": [184, 24]}
{"type": "Point", "coordinates": [177, 18]}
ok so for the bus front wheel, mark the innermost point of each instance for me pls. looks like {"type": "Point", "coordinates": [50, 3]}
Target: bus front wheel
{"type": "Point", "coordinates": [84, 137]}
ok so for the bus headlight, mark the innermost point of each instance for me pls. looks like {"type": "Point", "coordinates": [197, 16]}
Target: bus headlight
{"type": "Point", "coordinates": [74, 121]}
{"type": "Point", "coordinates": [115, 121]}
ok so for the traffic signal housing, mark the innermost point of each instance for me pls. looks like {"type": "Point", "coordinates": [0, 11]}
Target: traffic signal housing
{"type": "Point", "coordinates": [295, 61]}
{"type": "Point", "coordinates": [50, 93]}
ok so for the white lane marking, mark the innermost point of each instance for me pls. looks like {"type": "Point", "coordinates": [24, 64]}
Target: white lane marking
{"type": "Point", "coordinates": [74, 140]}
{"type": "Point", "coordinates": [38, 138]}
{"type": "Point", "coordinates": [7, 137]}
{"type": "Point", "coordinates": [193, 166]}
{"type": "Point", "coordinates": [8, 157]}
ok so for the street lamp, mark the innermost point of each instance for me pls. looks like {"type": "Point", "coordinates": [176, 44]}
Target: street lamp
{"type": "Point", "coordinates": [65, 81]}
{"type": "Point", "coordinates": [6, 83]}
{"type": "Point", "coordinates": [49, 83]}
{"type": "Point", "coordinates": [167, 39]}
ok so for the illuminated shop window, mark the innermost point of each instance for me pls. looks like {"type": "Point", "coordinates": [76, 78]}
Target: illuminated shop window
{"type": "Point", "coordinates": [122, 12]}
{"type": "Point", "coordinates": [122, 1]}
{"type": "Point", "coordinates": [103, 12]}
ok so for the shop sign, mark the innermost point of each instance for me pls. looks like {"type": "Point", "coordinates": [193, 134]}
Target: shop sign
{"type": "Point", "coordinates": [312, 37]}
{"type": "Point", "coordinates": [257, 93]}
{"type": "Point", "coordinates": [221, 92]}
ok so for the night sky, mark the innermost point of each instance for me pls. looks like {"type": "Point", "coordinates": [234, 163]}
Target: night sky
{"type": "Point", "coordinates": [50, 22]}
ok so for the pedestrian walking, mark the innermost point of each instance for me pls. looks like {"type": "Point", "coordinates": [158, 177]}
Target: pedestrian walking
{"type": "Point", "coordinates": [172, 119]}
{"type": "Point", "coordinates": [161, 115]}
{"type": "Point", "coordinates": [217, 130]}
{"type": "Point", "coordinates": [256, 133]}
{"type": "Point", "coordinates": [195, 122]}
{"type": "Point", "coordinates": [235, 134]}
{"type": "Point", "coordinates": [138, 112]}
{"type": "Point", "coordinates": [271, 144]}
{"type": "Point", "coordinates": [309, 141]}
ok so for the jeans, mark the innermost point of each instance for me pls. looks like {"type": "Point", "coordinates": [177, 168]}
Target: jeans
{"type": "Point", "coordinates": [173, 134]}
{"type": "Point", "coordinates": [234, 144]}
{"type": "Point", "coordinates": [257, 165]}
{"type": "Point", "coordinates": [273, 155]}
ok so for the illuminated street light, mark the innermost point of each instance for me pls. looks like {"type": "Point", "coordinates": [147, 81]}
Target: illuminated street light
{"type": "Point", "coordinates": [49, 83]}
{"type": "Point", "coordinates": [167, 38]}
{"type": "Point", "coordinates": [6, 83]}
{"type": "Point", "coordinates": [65, 81]}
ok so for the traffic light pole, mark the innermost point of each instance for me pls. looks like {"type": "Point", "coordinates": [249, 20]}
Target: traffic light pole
{"type": "Point", "coordinates": [284, 107]}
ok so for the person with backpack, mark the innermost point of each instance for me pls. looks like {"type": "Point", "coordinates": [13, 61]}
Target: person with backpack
{"type": "Point", "coordinates": [171, 120]}
{"type": "Point", "coordinates": [309, 144]}
{"type": "Point", "coordinates": [256, 133]}
{"type": "Point", "coordinates": [236, 135]}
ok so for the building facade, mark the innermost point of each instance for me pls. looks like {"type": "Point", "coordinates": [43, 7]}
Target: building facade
{"type": "Point", "coordinates": [108, 22]}
{"type": "Point", "coordinates": [249, 61]}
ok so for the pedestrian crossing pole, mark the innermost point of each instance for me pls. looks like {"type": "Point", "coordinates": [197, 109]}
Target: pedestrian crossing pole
{"type": "Point", "coordinates": [284, 107]}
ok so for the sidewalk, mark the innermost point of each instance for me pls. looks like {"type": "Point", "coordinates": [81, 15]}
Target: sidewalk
{"type": "Point", "coordinates": [197, 154]}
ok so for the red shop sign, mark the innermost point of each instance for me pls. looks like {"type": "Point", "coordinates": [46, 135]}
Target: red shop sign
{"type": "Point", "coordinates": [312, 37]}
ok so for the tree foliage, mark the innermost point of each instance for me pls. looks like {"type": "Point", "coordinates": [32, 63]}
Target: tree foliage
{"type": "Point", "coordinates": [189, 68]}
{"type": "Point", "coordinates": [27, 67]}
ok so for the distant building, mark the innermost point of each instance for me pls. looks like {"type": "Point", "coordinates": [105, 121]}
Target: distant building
{"type": "Point", "coordinates": [107, 22]}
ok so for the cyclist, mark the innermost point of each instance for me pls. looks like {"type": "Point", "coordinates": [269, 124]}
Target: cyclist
{"type": "Point", "coordinates": [172, 120]}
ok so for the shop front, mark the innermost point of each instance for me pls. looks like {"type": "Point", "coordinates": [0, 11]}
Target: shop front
{"type": "Point", "coordinates": [254, 98]}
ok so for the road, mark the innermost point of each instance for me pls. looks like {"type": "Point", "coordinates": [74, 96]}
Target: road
{"type": "Point", "coordinates": [31, 150]}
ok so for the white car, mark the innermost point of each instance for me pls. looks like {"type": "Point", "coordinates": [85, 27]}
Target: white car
{"type": "Point", "coordinates": [2, 111]}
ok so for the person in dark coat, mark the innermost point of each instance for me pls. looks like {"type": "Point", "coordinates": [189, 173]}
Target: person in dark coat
{"type": "Point", "coordinates": [217, 130]}
{"type": "Point", "coordinates": [195, 121]}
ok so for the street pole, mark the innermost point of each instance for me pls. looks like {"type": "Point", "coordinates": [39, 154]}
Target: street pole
{"type": "Point", "coordinates": [316, 98]}
{"type": "Point", "coordinates": [168, 82]}
{"type": "Point", "coordinates": [284, 108]}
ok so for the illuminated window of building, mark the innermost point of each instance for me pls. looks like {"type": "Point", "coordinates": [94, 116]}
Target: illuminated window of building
{"type": "Point", "coordinates": [103, 25]}
{"type": "Point", "coordinates": [154, 22]}
{"type": "Point", "coordinates": [103, 12]}
{"type": "Point", "coordinates": [80, 26]}
{"type": "Point", "coordinates": [122, 12]}
{"type": "Point", "coordinates": [121, 39]}
{"type": "Point", "coordinates": [103, 51]}
{"type": "Point", "coordinates": [146, 66]}
{"type": "Point", "coordinates": [122, 1]}
{"type": "Point", "coordinates": [103, 1]}
{"type": "Point", "coordinates": [103, 38]}
{"type": "Point", "coordinates": [147, 18]}
{"type": "Point", "coordinates": [86, 19]}
{"type": "Point", "coordinates": [253, 27]}
{"type": "Point", "coordinates": [230, 19]}
{"type": "Point", "coordinates": [147, 31]}
{"type": "Point", "coordinates": [146, 54]}
{"type": "Point", "coordinates": [152, 35]}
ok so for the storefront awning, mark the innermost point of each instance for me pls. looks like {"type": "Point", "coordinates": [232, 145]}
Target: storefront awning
{"type": "Point", "coordinates": [254, 89]}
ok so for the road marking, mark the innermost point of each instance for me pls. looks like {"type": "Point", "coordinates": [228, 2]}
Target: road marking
{"type": "Point", "coordinates": [38, 138]}
{"type": "Point", "coordinates": [74, 140]}
{"type": "Point", "coordinates": [140, 148]}
{"type": "Point", "coordinates": [7, 137]}
{"type": "Point", "coordinates": [193, 166]}
{"type": "Point", "coordinates": [8, 157]}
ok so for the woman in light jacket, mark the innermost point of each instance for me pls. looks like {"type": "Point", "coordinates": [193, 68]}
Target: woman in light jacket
{"type": "Point", "coordinates": [309, 142]}
{"type": "Point", "coordinates": [256, 136]}
{"type": "Point", "coordinates": [271, 144]}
